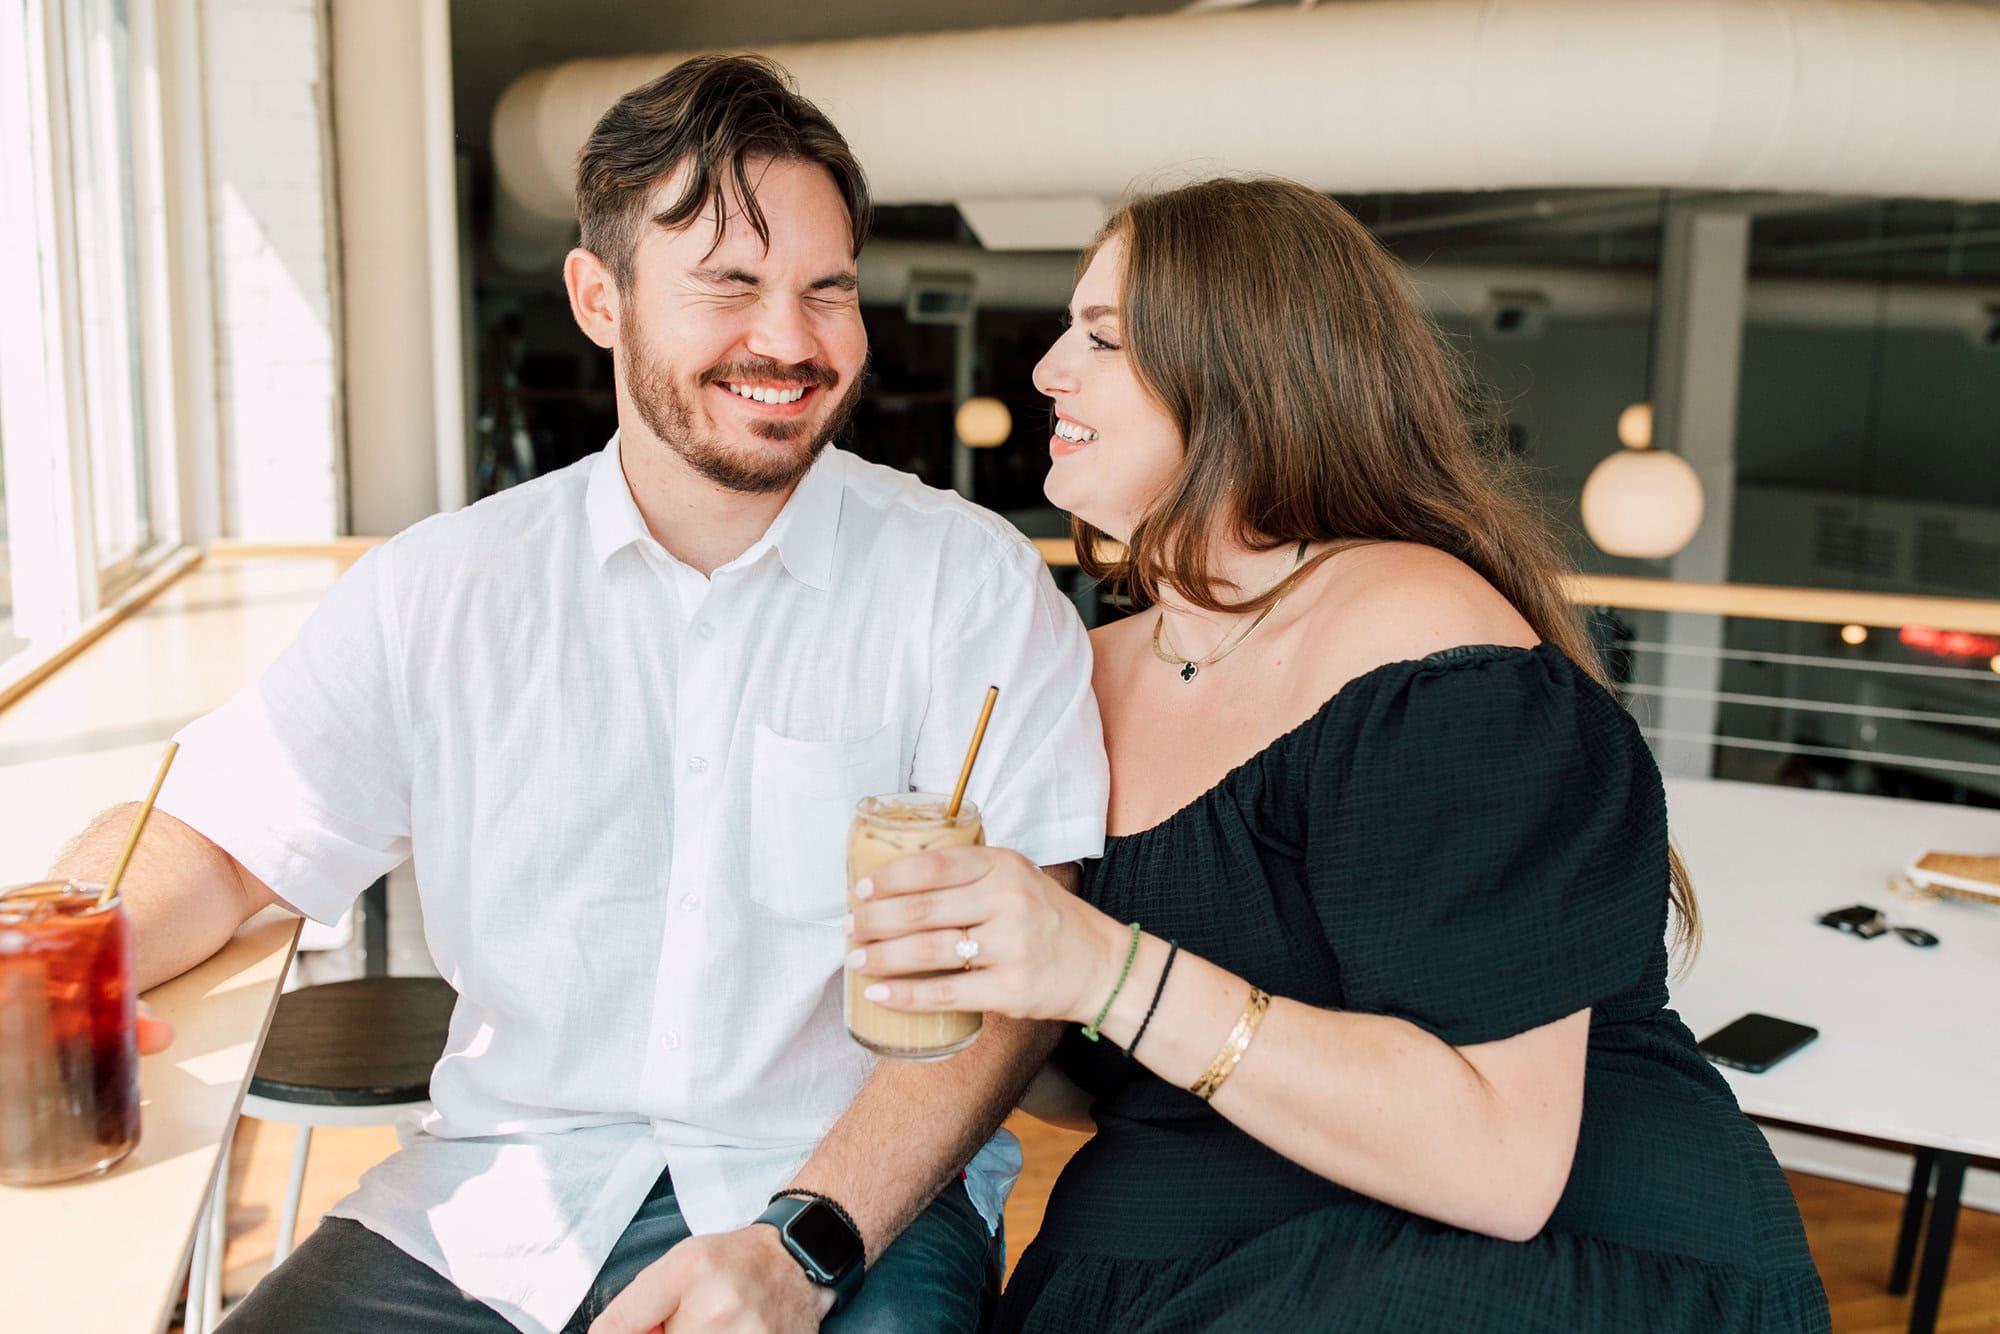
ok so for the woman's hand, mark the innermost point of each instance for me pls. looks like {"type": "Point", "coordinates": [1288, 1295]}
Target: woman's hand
{"type": "Point", "coordinates": [155, 1034]}
{"type": "Point", "coordinates": [1042, 953]}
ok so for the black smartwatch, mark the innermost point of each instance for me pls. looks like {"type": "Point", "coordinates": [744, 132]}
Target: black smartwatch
{"type": "Point", "coordinates": [823, 1242]}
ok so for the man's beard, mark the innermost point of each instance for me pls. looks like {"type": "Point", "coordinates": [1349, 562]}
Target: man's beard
{"type": "Point", "coordinates": [671, 416]}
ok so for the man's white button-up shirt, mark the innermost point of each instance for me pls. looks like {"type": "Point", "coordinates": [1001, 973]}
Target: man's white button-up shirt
{"type": "Point", "coordinates": [625, 788]}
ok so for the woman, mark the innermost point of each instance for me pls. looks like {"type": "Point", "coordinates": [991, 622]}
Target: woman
{"type": "Point", "coordinates": [1377, 943]}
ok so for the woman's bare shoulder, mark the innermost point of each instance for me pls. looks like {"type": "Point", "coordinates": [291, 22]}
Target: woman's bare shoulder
{"type": "Point", "coordinates": [1398, 601]}
{"type": "Point", "coordinates": [1119, 637]}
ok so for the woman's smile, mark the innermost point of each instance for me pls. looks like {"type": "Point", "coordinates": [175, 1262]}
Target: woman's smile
{"type": "Point", "coordinates": [1069, 437]}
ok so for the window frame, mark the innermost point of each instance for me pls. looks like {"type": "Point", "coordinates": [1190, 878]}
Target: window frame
{"type": "Point", "coordinates": [60, 587]}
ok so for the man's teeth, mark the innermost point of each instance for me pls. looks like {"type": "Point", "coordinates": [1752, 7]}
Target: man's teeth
{"type": "Point", "coordinates": [760, 394]}
{"type": "Point", "coordinates": [1069, 430]}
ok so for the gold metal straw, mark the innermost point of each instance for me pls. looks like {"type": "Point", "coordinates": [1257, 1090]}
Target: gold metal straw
{"type": "Point", "coordinates": [132, 839]}
{"type": "Point", "coordinates": [972, 753]}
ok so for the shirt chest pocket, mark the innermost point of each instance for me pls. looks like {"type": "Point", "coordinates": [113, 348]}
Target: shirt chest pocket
{"type": "Point", "coordinates": [802, 798]}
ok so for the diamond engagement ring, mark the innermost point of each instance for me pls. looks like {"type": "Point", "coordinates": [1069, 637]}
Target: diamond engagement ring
{"type": "Point", "coordinates": [967, 949]}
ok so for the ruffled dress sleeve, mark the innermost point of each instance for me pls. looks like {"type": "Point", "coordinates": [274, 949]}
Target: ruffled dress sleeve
{"type": "Point", "coordinates": [1486, 843]}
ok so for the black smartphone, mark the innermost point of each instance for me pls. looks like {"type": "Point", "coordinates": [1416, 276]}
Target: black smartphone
{"type": "Point", "coordinates": [1756, 1042]}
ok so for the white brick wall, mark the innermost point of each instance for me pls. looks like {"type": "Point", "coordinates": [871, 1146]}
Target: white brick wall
{"type": "Point", "coordinates": [272, 248]}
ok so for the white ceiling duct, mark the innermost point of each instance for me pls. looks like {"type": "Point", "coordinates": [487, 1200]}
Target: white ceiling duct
{"type": "Point", "coordinates": [1870, 97]}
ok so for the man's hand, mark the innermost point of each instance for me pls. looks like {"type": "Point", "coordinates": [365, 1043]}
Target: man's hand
{"type": "Point", "coordinates": [742, 1282]}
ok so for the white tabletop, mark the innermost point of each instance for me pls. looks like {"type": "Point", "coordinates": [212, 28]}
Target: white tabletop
{"type": "Point", "coordinates": [108, 1254]}
{"type": "Point", "coordinates": [1909, 1045]}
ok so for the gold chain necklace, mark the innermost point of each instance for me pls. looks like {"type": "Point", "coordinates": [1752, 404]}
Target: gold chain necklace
{"type": "Point", "coordinates": [1190, 666]}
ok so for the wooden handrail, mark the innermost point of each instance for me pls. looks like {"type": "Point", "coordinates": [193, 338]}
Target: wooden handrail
{"type": "Point", "coordinates": [1057, 552]}
{"type": "Point", "coordinates": [1823, 606]}
{"type": "Point", "coordinates": [1826, 606]}
{"type": "Point", "coordinates": [339, 548]}
{"type": "Point", "coordinates": [1811, 605]}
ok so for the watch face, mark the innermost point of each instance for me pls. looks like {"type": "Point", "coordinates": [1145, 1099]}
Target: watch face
{"type": "Point", "coordinates": [819, 1232]}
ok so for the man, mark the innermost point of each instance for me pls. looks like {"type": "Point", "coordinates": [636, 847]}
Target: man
{"type": "Point", "coordinates": [619, 718]}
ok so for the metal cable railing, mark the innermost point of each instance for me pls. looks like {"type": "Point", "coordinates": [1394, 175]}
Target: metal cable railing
{"type": "Point", "coordinates": [1758, 683]}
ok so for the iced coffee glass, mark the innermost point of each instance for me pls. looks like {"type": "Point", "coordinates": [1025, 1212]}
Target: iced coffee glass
{"type": "Point", "coordinates": [884, 829]}
{"type": "Point", "coordinates": [69, 1059]}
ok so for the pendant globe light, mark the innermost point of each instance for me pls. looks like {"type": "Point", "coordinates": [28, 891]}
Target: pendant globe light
{"type": "Point", "coordinates": [983, 422]}
{"type": "Point", "coordinates": [1642, 502]}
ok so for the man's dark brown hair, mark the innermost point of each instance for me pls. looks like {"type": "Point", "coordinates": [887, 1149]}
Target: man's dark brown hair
{"type": "Point", "coordinates": [717, 113]}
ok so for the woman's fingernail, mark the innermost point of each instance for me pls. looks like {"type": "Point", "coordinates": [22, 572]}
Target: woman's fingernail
{"type": "Point", "coordinates": [847, 925]}
{"type": "Point", "coordinates": [856, 959]}
{"type": "Point", "coordinates": [864, 888]}
{"type": "Point", "coordinates": [878, 992]}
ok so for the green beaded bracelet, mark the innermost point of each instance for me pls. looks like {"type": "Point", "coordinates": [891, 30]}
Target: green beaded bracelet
{"type": "Point", "coordinates": [1090, 1029]}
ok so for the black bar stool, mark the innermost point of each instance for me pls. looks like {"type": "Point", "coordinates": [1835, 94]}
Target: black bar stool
{"type": "Point", "coordinates": [356, 1053]}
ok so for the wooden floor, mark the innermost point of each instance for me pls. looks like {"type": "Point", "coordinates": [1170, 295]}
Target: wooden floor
{"type": "Point", "coordinates": [1852, 1229]}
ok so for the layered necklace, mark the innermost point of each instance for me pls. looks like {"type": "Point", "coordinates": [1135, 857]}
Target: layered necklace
{"type": "Point", "coordinates": [1192, 666]}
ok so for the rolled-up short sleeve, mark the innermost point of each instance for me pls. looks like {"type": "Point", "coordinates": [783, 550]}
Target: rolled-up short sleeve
{"type": "Point", "coordinates": [1488, 845]}
{"type": "Point", "coordinates": [1041, 782]}
{"type": "Point", "coordinates": [304, 775]}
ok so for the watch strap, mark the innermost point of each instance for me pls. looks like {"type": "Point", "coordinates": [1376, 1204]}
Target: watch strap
{"type": "Point", "coordinates": [780, 1213]}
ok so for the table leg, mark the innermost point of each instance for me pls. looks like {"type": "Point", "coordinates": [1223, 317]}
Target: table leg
{"type": "Point", "coordinates": [217, 1223]}
{"type": "Point", "coordinates": [295, 1186]}
{"type": "Point", "coordinates": [375, 929]}
{"type": "Point", "coordinates": [1913, 1221]}
{"type": "Point", "coordinates": [1937, 1245]}
{"type": "Point", "coordinates": [194, 1309]}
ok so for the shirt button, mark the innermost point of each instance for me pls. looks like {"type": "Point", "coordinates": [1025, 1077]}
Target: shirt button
{"type": "Point", "coordinates": [689, 902]}
{"type": "Point", "coordinates": [697, 765]}
{"type": "Point", "coordinates": [671, 1041]}
{"type": "Point", "coordinates": [705, 629]}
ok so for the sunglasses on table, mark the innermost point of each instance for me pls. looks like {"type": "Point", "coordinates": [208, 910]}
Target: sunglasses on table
{"type": "Point", "coordinates": [1868, 923]}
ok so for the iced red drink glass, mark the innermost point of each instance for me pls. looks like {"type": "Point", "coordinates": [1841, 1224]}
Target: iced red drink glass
{"type": "Point", "coordinates": [69, 1059]}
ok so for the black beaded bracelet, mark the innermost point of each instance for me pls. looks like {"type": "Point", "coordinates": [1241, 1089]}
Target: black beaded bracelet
{"type": "Point", "coordinates": [1173, 948]}
{"type": "Point", "coordinates": [800, 1193]}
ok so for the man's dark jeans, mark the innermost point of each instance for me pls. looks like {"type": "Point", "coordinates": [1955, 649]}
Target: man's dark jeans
{"type": "Point", "coordinates": [942, 1276]}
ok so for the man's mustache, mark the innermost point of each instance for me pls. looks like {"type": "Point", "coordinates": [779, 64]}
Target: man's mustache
{"type": "Point", "coordinates": [804, 372]}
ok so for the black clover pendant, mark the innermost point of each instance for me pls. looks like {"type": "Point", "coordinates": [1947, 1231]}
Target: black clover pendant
{"type": "Point", "coordinates": [1188, 670]}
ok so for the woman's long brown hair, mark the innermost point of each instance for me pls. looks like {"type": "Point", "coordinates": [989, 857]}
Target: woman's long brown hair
{"type": "Point", "coordinates": [1316, 402]}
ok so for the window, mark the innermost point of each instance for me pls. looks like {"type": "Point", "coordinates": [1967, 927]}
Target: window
{"type": "Point", "coordinates": [88, 462]}
{"type": "Point", "coordinates": [9, 645]}
{"type": "Point", "coordinates": [98, 48]}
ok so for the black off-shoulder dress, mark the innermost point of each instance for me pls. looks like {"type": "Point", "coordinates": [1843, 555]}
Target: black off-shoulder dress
{"type": "Point", "coordinates": [1475, 842]}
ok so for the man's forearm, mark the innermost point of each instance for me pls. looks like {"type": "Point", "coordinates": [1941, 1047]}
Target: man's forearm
{"type": "Point", "coordinates": [915, 1124]}
{"type": "Point", "coordinates": [184, 895]}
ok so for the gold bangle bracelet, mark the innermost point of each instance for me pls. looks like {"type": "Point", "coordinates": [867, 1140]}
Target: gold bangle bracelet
{"type": "Point", "coordinates": [1233, 1047]}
